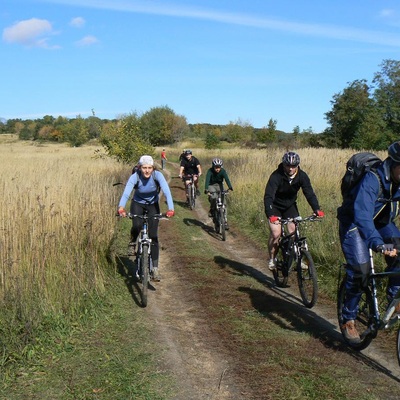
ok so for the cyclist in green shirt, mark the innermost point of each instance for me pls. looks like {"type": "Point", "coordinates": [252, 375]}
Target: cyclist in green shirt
{"type": "Point", "coordinates": [215, 178]}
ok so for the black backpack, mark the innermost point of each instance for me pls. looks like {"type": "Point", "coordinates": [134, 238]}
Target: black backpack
{"type": "Point", "coordinates": [357, 165]}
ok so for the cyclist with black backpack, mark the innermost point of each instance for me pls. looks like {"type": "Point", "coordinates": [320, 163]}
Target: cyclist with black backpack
{"type": "Point", "coordinates": [146, 183]}
{"type": "Point", "coordinates": [366, 221]}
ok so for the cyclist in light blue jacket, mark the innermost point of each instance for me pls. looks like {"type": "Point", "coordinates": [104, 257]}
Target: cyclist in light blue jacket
{"type": "Point", "coordinates": [146, 184]}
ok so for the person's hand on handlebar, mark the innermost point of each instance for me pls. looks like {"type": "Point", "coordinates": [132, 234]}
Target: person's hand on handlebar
{"type": "Point", "coordinates": [170, 213]}
{"type": "Point", "coordinates": [274, 219]}
{"type": "Point", "coordinates": [122, 212]}
{"type": "Point", "coordinates": [319, 214]}
{"type": "Point", "coordinates": [387, 250]}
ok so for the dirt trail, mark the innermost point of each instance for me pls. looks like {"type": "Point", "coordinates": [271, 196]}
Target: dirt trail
{"type": "Point", "coordinates": [203, 366]}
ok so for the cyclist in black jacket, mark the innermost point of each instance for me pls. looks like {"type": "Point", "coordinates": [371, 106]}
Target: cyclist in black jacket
{"type": "Point", "coordinates": [215, 178]}
{"type": "Point", "coordinates": [280, 199]}
{"type": "Point", "coordinates": [190, 165]}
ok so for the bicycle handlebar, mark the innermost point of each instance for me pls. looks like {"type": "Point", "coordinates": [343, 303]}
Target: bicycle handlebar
{"type": "Point", "coordinates": [299, 219]}
{"type": "Point", "coordinates": [145, 216]}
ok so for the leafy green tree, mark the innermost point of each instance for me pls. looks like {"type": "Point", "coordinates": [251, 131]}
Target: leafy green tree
{"type": "Point", "coordinates": [387, 94]}
{"type": "Point", "coordinates": [211, 141]}
{"type": "Point", "coordinates": [349, 109]}
{"type": "Point", "coordinates": [238, 131]}
{"type": "Point", "coordinates": [123, 140]}
{"type": "Point", "coordinates": [267, 134]}
{"type": "Point", "coordinates": [161, 126]}
{"type": "Point", "coordinates": [76, 132]}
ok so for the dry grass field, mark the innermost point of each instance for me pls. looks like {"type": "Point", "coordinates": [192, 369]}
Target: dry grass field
{"type": "Point", "coordinates": [57, 217]}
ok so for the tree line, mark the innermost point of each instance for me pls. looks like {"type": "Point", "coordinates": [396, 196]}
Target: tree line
{"type": "Point", "coordinates": [363, 116]}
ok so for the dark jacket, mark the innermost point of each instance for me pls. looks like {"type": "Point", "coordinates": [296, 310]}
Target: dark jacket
{"type": "Point", "coordinates": [281, 193]}
{"type": "Point", "coordinates": [190, 167]}
{"type": "Point", "coordinates": [376, 204]}
{"type": "Point", "coordinates": [213, 177]}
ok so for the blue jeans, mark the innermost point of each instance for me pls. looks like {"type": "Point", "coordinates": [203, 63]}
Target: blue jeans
{"type": "Point", "coordinates": [358, 265]}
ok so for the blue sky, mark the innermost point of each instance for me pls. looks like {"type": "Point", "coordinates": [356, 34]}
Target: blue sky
{"type": "Point", "coordinates": [212, 61]}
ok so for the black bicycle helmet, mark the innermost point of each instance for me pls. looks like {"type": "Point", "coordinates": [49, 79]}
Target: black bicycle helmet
{"type": "Point", "coordinates": [217, 162]}
{"type": "Point", "coordinates": [394, 152]}
{"type": "Point", "coordinates": [291, 158]}
{"type": "Point", "coordinates": [187, 152]}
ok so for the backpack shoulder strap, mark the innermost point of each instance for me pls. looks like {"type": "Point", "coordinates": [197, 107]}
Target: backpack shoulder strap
{"type": "Point", "coordinates": [154, 177]}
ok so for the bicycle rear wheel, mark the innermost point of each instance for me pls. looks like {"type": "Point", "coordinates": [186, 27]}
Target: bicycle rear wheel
{"type": "Point", "coordinates": [222, 223]}
{"type": "Point", "coordinates": [281, 272]}
{"type": "Point", "coordinates": [307, 279]}
{"type": "Point", "coordinates": [144, 263]}
{"type": "Point", "coordinates": [364, 319]}
{"type": "Point", "coordinates": [398, 344]}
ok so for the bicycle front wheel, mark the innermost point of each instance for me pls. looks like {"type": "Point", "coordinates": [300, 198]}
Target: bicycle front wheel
{"type": "Point", "coordinates": [365, 316]}
{"type": "Point", "coordinates": [398, 344]}
{"type": "Point", "coordinates": [144, 262]}
{"type": "Point", "coordinates": [222, 223]}
{"type": "Point", "coordinates": [307, 279]}
{"type": "Point", "coordinates": [281, 272]}
{"type": "Point", "coordinates": [193, 197]}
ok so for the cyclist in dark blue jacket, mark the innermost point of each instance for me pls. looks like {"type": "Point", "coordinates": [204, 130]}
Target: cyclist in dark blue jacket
{"type": "Point", "coordinates": [369, 223]}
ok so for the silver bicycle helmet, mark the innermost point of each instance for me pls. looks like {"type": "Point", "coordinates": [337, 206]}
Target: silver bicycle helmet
{"type": "Point", "coordinates": [394, 152]}
{"type": "Point", "coordinates": [187, 152]}
{"type": "Point", "coordinates": [291, 158]}
{"type": "Point", "coordinates": [217, 162]}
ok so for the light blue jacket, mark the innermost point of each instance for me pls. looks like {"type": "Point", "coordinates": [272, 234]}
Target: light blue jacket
{"type": "Point", "coordinates": [146, 190]}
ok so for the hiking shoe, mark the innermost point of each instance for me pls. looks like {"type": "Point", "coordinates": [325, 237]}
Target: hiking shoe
{"type": "Point", "coordinates": [197, 192]}
{"type": "Point", "coordinates": [156, 275]}
{"type": "Point", "coordinates": [271, 264]}
{"type": "Point", "coordinates": [131, 249]}
{"type": "Point", "coordinates": [304, 266]}
{"type": "Point", "coordinates": [350, 332]}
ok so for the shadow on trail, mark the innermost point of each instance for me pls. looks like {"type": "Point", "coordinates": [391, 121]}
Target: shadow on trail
{"type": "Point", "coordinates": [287, 311]}
{"type": "Point", "coordinates": [127, 270]}
{"type": "Point", "coordinates": [206, 228]}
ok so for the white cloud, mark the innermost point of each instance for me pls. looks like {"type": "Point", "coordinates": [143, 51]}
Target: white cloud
{"type": "Point", "coordinates": [386, 12]}
{"type": "Point", "coordinates": [32, 32]}
{"type": "Point", "coordinates": [169, 9]}
{"type": "Point", "coordinates": [77, 22]}
{"type": "Point", "coordinates": [87, 41]}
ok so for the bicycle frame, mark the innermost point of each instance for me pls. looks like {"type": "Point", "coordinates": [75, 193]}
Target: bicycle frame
{"type": "Point", "coordinates": [368, 314]}
{"type": "Point", "coordinates": [295, 243]}
{"type": "Point", "coordinates": [293, 251]}
{"type": "Point", "coordinates": [143, 255]}
{"type": "Point", "coordinates": [190, 190]}
{"type": "Point", "coordinates": [386, 321]}
{"type": "Point", "coordinates": [219, 217]}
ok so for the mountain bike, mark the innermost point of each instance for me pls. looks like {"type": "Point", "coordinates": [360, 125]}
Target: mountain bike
{"type": "Point", "coordinates": [219, 215]}
{"type": "Point", "coordinates": [143, 260]}
{"type": "Point", "coordinates": [190, 191]}
{"type": "Point", "coordinates": [371, 316]}
{"type": "Point", "coordinates": [293, 255]}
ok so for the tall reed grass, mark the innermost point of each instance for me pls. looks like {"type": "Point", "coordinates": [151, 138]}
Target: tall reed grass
{"type": "Point", "coordinates": [57, 213]}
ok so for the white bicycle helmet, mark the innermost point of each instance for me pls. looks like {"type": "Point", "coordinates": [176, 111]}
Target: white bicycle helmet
{"type": "Point", "coordinates": [291, 158]}
{"type": "Point", "coordinates": [217, 162]}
